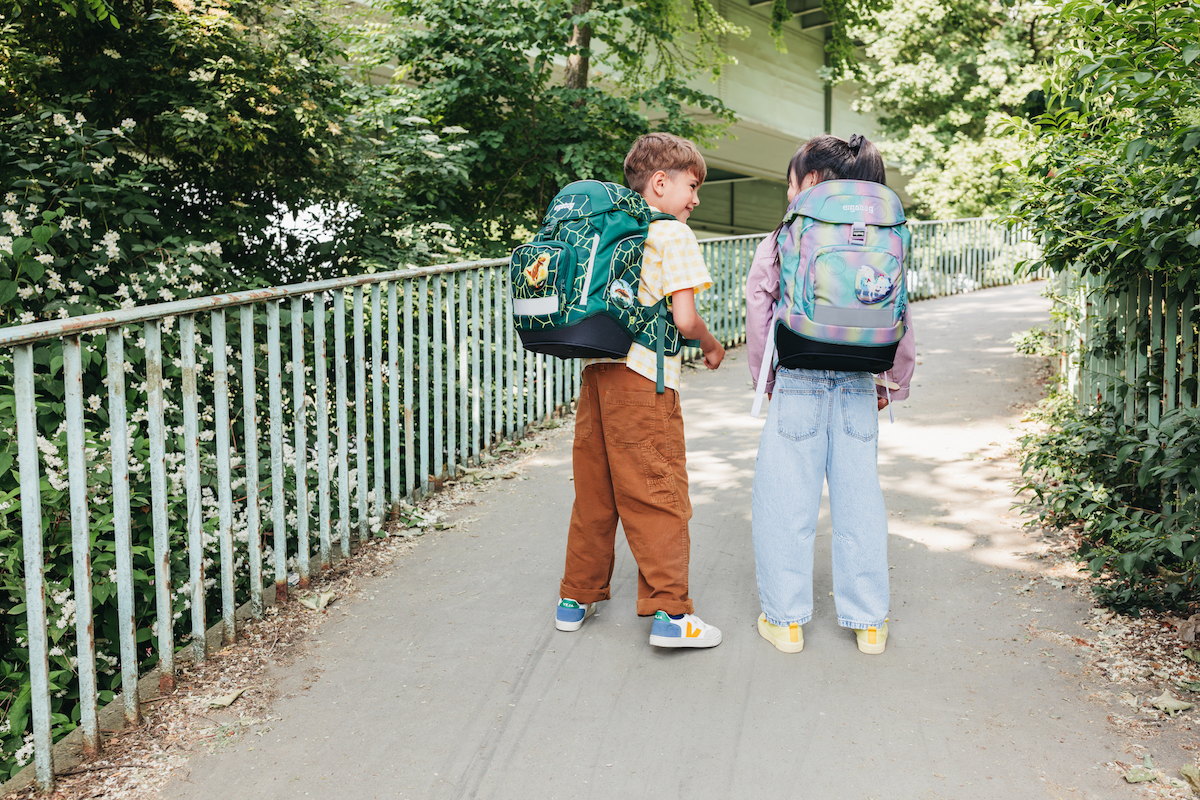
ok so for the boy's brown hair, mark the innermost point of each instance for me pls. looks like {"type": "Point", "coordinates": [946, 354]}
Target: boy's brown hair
{"type": "Point", "coordinates": [661, 151]}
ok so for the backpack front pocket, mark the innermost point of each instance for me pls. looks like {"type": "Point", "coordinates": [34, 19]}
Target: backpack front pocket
{"type": "Point", "coordinates": [855, 286]}
{"type": "Point", "coordinates": [538, 272]}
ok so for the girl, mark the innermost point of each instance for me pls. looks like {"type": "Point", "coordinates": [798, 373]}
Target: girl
{"type": "Point", "coordinates": [822, 424]}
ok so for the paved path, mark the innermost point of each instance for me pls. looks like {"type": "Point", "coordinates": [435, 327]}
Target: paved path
{"type": "Point", "coordinates": [452, 682]}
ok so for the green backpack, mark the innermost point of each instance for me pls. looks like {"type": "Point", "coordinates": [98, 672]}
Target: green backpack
{"type": "Point", "coordinates": [575, 286]}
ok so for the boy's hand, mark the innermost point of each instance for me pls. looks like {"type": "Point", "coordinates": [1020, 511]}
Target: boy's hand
{"type": "Point", "coordinates": [714, 357]}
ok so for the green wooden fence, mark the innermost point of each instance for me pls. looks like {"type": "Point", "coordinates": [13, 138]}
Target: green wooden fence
{"type": "Point", "coordinates": [1136, 350]}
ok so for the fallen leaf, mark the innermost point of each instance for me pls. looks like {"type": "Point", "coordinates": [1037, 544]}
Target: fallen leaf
{"type": "Point", "coordinates": [1139, 775]}
{"type": "Point", "coordinates": [1191, 774]}
{"type": "Point", "coordinates": [1128, 699]}
{"type": "Point", "coordinates": [225, 700]}
{"type": "Point", "coordinates": [1189, 627]}
{"type": "Point", "coordinates": [1189, 686]}
{"type": "Point", "coordinates": [1170, 703]}
{"type": "Point", "coordinates": [1192, 654]}
{"type": "Point", "coordinates": [317, 602]}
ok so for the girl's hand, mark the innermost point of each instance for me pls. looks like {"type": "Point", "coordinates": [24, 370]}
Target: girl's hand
{"type": "Point", "coordinates": [883, 402]}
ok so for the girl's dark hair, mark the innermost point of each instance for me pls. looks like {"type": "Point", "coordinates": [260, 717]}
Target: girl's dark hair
{"type": "Point", "coordinates": [835, 159]}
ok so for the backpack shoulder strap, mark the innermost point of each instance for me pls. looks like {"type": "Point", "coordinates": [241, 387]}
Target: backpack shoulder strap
{"type": "Point", "coordinates": [658, 216]}
{"type": "Point", "coordinates": [661, 314]}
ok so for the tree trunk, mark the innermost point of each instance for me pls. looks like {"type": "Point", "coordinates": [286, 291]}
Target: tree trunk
{"type": "Point", "coordinates": [581, 38]}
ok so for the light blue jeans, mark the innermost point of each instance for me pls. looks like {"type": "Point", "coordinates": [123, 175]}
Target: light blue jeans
{"type": "Point", "coordinates": [821, 424]}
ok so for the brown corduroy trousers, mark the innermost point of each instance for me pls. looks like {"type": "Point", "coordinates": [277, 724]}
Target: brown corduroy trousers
{"type": "Point", "coordinates": [629, 464]}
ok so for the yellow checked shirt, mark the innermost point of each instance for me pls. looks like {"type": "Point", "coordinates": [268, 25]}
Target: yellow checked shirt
{"type": "Point", "coordinates": [671, 261]}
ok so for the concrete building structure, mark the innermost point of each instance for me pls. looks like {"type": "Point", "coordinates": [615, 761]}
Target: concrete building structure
{"type": "Point", "coordinates": [782, 102]}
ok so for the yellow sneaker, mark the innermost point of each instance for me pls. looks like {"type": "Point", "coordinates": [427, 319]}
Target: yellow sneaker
{"type": "Point", "coordinates": [872, 640]}
{"type": "Point", "coordinates": [789, 639]}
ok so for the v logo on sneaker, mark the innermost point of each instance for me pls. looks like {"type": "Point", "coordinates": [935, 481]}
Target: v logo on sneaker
{"type": "Point", "coordinates": [692, 632]}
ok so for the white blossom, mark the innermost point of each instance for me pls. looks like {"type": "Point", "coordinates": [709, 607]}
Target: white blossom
{"type": "Point", "coordinates": [192, 115]}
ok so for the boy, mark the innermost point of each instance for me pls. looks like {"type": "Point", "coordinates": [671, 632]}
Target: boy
{"type": "Point", "coordinates": [628, 458]}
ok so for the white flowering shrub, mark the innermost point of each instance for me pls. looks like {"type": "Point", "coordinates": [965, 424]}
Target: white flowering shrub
{"type": "Point", "coordinates": [79, 231]}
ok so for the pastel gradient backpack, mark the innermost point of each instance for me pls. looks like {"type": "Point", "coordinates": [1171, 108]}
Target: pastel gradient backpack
{"type": "Point", "coordinates": [575, 286]}
{"type": "Point", "coordinates": [842, 299]}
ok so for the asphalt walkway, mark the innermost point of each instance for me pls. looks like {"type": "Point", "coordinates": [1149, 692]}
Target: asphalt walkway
{"type": "Point", "coordinates": [450, 681]}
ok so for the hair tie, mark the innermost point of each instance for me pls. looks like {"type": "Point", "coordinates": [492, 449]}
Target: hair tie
{"type": "Point", "coordinates": [855, 143]}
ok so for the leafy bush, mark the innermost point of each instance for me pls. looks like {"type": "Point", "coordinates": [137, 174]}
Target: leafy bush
{"type": "Point", "coordinates": [247, 128]}
{"type": "Point", "coordinates": [493, 69]}
{"type": "Point", "coordinates": [1132, 493]}
{"type": "Point", "coordinates": [1114, 182]}
{"type": "Point", "coordinates": [944, 78]}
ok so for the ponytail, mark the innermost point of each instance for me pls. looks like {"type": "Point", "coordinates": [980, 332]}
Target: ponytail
{"type": "Point", "coordinates": [833, 158]}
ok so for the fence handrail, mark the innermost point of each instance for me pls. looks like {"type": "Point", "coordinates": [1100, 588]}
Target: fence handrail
{"type": "Point", "coordinates": [73, 326]}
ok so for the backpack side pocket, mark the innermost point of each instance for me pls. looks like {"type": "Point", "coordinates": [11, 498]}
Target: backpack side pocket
{"type": "Point", "coordinates": [541, 275]}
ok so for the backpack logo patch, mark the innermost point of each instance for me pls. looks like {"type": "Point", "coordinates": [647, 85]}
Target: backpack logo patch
{"type": "Point", "coordinates": [871, 286]}
{"type": "Point", "coordinates": [621, 293]}
{"type": "Point", "coordinates": [536, 272]}
{"type": "Point", "coordinates": [859, 207]}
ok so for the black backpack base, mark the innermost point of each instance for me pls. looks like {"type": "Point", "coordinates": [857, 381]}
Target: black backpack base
{"type": "Point", "coordinates": [598, 336]}
{"type": "Point", "coordinates": [796, 352]}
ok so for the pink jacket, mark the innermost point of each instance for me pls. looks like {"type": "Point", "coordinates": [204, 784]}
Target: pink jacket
{"type": "Point", "coordinates": [762, 293]}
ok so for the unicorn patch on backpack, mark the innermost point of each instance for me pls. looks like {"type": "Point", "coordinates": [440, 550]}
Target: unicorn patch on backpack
{"type": "Point", "coordinates": [872, 286]}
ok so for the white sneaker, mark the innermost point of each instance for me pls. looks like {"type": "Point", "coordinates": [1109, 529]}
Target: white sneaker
{"type": "Point", "coordinates": [687, 631]}
{"type": "Point", "coordinates": [570, 615]}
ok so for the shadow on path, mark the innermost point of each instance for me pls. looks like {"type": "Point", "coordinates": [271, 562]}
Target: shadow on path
{"type": "Point", "coordinates": [452, 682]}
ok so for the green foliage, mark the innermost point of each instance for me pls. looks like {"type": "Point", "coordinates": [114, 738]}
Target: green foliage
{"type": "Point", "coordinates": [490, 69]}
{"type": "Point", "coordinates": [1132, 492]}
{"type": "Point", "coordinates": [1114, 184]}
{"type": "Point", "coordinates": [944, 79]}
{"type": "Point", "coordinates": [244, 116]}
{"type": "Point", "coordinates": [1035, 342]}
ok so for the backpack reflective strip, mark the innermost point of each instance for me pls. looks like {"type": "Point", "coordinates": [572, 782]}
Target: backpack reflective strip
{"type": "Point", "coordinates": [587, 280]}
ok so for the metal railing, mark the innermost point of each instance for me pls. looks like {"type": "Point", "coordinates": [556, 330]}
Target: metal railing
{"type": "Point", "coordinates": [447, 383]}
{"type": "Point", "coordinates": [963, 255]}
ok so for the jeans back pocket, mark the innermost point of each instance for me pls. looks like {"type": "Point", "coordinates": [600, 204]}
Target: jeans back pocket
{"type": "Point", "coordinates": [801, 412]}
{"type": "Point", "coordinates": [860, 413]}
